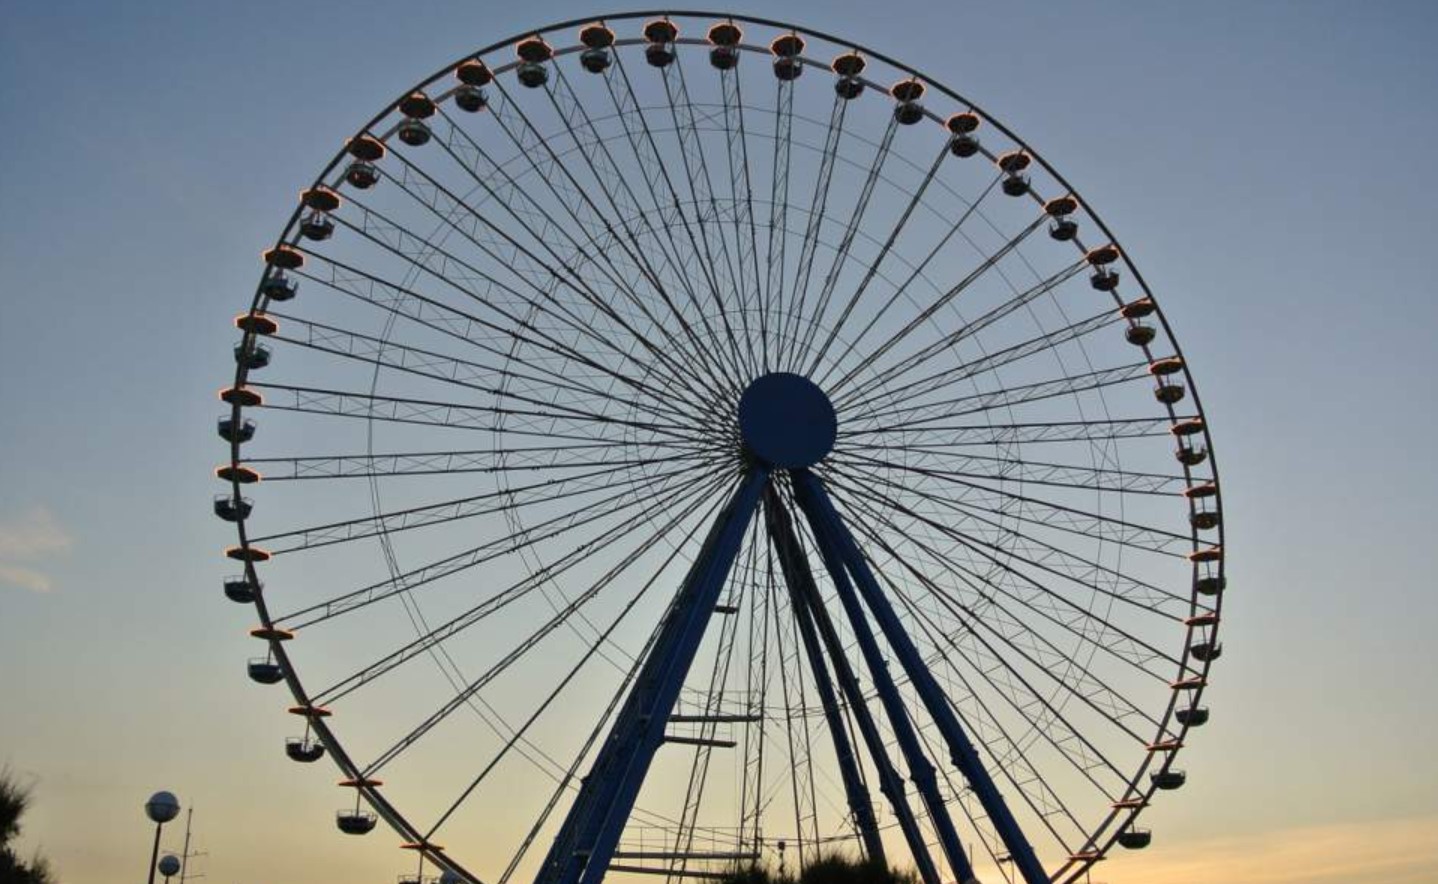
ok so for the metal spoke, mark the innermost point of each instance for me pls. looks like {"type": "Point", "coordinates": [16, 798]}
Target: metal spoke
{"type": "Point", "coordinates": [873, 268]}
{"type": "Point", "coordinates": [493, 503]}
{"type": "Point", "coordinates": [489, 606]}
{"type": "Point", "coordinates": [465, 559]}
{"type": "Point", "coordinates": [426, 463]}
{"type": "Point", "coordinates": [1099, 637]}
{"type": "Point", "coordinates": [831, 279]}
{"type": "Point", "coordinates": [818, 205]}
{"type": "Point", "coordinates": [902, 366]}
{"type": "Point", "coordinates": [649, 158]}
{"type": "Point", "coordinates": [402, 301]}
{"type": "Point", "coordinates": [578, 206]}
{"type": "Point", "coordinates": [625, 206]}
{"type": "Point", "coordinates": [538, 273]}
{"type": "Point", "coordinates": [565, 681]}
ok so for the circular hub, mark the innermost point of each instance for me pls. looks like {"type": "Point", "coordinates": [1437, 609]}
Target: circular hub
{"type": "Point", "coordinates": [786, 421]}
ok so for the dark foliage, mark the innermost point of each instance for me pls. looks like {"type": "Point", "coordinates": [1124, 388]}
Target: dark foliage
{"type": "Point", "coordinates": [830, 869]}
{"type": "Point", "coordinates": [14, 798]}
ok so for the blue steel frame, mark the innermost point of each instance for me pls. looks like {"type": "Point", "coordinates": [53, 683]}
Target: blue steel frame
{"type": "Point", "coordinates": [841, 551]}
{"type": "Point", "coordinates": [921, 770]}
{"type": "Point", "coordinates": [890, 783]}
{"type": "Point", "coordinates": [802, 595]}
{"type": "Point", "coordinates": [586, 841]}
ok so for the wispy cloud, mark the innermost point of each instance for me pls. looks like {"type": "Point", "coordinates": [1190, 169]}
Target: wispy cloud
{"type": "Point", "coordinates": [1380, 852]}
{"type": "Point", "coordinates": [27, 542]}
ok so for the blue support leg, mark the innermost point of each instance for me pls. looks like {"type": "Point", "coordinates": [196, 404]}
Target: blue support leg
{"type": "Point", "coordinates": [921, 770]}
{"type": "Point", "coordinates": [890, 783]}
{"type": "Point", "coordinates": [586, 840]}
{"type": "Point", "coordinates": [800, 582]}
{"type": "Point", "coordinates": [820, 510]}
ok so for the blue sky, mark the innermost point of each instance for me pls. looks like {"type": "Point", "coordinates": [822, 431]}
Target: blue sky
{"type": "Point", "coordinates": [1263, 163]}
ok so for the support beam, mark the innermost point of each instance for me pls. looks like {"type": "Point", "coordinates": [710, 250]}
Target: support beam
{"type": "Point", "coordinates": [586, 841]}
{"type": "Point", "coordinates": [681, 740]}
{"type": "Point", "coordinates": [921, 770]}
{"type": "Point", "coordinates": [802, 592]}
{"type": "Point", "coordinates": [689, 856]}
{"type": "Point", "coordinates": [890, 783]}
{"type": "Point", "coordinates": [669, 871]}
{"type": "Point", "coordinates": [841, 544]}
{"type": "Point", "coordinates": [721, 718]}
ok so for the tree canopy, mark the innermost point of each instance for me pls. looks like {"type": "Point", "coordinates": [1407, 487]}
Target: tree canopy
{"type": "Point", "coordinates": [831, 869]}
{"type": "Point", "coordinates": [14, 799]}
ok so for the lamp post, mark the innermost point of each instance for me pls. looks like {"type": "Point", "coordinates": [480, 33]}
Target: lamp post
{"type": "Point", "coordinates": [169, 866]}
{"type": "Point", "coordinates": [161, 808]}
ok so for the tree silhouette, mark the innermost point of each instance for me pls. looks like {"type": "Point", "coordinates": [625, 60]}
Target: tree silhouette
{"type": "Point", "coordinates": [829, 869]}
{"type": "Point", "coordinates": [14, 799]}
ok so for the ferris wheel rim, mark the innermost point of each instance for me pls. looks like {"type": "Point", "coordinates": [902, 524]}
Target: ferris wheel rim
{"type": "Point", "coordinates": [289, 236]}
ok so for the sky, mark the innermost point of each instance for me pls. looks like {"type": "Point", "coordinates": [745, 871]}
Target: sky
{"type": "Point", "coordinates": [1263, 162]}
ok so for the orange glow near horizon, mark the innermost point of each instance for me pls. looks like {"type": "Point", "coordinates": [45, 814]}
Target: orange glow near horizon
{"type": "Point", "coordinates": [1401, 851]}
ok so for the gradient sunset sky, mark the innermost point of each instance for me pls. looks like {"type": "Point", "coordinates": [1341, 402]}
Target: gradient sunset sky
{"type": "Point", "coordinates": [1266, 164]}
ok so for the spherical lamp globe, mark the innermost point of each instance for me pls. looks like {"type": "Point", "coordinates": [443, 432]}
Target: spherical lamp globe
{"type": "Point", "coordinates": [162, 807]}
{"type": "Point", "coordinates": [169, 865]}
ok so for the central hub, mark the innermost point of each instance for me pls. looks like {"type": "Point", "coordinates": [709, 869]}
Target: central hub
{"type": "Point", "coordinates": [786, 421]}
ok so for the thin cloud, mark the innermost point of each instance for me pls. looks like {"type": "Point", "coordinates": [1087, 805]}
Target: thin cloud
{"type": "Point", "coordinates": [25, 578]}
{"type": "Point", "coordinates": [26, 541]}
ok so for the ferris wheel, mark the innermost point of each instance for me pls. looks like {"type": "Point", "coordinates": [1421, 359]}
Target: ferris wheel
{"type": "Point", "coordinates": [689, 441]}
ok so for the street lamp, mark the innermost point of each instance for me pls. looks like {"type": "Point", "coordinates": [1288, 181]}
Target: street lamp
{"type": "Point", "coordinates": [169, 866]}
{"type": "Point", "coordinates": [161, 808]}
